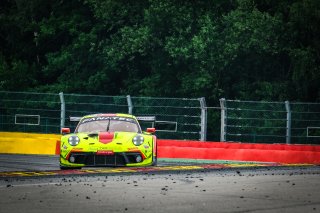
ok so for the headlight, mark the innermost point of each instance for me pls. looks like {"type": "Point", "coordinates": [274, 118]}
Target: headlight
{"type": "Point", "coordinates": [138, 140]}
{"type": "Point", "coordinates": [74, 140]}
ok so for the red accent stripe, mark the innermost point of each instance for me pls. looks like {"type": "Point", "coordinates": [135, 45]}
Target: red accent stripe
{"type": "Point", "coordinates": [279, 153]}
{"type": "Point", "coordinates": [74, 150]}
{"type": "Point", "coordinates": [58, 147]}
{"type": "Point", "coordinates": [106, 137]}
{"type": "Point", "coordinates": [135, 151]}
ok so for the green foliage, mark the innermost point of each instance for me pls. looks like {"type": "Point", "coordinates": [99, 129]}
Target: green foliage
{"type": "Point", "coordinates": [245, 49]}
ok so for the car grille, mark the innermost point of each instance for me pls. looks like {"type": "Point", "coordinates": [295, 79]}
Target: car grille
{"type": "Point", "coordinates": [91, 159]}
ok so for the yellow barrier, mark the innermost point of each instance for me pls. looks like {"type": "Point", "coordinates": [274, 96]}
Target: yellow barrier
{"type": "Point", "coordinates": [28, 143]}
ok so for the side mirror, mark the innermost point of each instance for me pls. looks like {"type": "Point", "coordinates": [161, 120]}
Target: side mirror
{"type": "Point", "coordinates": [151, 130]}
{"type": "Point", "coordinates": [65, 131]}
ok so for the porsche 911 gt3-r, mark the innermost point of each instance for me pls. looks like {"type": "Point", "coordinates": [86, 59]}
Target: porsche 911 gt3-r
{"type": "Point", "coordinates": [107, 140]}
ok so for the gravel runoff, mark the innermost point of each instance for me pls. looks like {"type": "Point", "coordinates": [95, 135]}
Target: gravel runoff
{"type": "Point", "coordinates": [278, 189]}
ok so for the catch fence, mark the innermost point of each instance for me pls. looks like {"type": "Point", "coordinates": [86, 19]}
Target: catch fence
{"type": "Point", "coordinates": [270, 122]}
{"type": "Point", "coordinates": [176, 118]}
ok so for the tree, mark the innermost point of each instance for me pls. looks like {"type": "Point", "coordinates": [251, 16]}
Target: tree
{"type": "Point", "coordinates": [304, 19]}
{"type": "Point", "coordinates": [245, 49]}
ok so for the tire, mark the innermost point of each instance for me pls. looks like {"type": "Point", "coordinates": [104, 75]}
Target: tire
{"type": "Point", "coordinates": [155, 158]}
{"type": "Point", "coordinates": [155, 161]}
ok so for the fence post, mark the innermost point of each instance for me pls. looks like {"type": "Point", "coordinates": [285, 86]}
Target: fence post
{"type": "Point", "coordinates": [223, 119]}
{"type": "Point", "coordinates": [288, 132]}
{"type": "Point", "coordinates": [203, 135]}
{"type": "Point", "coordinates": [63, 110]}
{"type": "Point", "coordinates": [130, 106]}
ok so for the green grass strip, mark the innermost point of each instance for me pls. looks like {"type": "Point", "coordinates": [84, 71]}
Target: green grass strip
{"type": "Point", "coordinates": [204, 161]}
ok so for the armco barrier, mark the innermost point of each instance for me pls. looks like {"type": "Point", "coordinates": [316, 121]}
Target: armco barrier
{"type": "Point", "coordinates": [28, 143]}
{"type": "Point", "coordinates": [279, 153]}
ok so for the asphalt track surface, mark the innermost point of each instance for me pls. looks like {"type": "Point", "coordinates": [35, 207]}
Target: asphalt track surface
{"type": "Point", "coordinates": [179, 188]}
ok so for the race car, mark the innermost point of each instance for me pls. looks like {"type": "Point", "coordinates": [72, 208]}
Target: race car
{"type": "Point", "coordinates": [108, 140]}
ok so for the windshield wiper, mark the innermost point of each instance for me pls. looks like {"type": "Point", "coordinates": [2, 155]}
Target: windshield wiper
{"type": "Point", "coordinates": [108, 125]}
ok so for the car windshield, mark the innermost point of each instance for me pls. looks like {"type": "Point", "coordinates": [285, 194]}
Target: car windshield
{"type": "Point", "coordinates": [108, 124]}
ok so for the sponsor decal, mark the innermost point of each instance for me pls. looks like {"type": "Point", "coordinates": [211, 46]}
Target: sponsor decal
{"type": "Point", "coordinates": [146, 146]}
{"type": "Point", "coordinates": [104, 118]}
{"type": "Point", "coordinates": [105, 152]}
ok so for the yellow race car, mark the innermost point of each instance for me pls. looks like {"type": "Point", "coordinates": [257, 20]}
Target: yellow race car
{"type": "Point", "coordinates": [108, 140]}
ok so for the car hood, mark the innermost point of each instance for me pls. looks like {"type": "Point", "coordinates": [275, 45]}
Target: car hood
{"type": "Point", "coordinates": [107, 137]}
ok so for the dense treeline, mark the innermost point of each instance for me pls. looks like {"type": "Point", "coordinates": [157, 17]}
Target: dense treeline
{"type": "Point", "coordinates": [245, 49]}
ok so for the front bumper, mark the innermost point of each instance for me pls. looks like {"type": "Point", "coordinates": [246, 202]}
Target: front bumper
{"type": "Point", "coordinates": [93, 159]}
